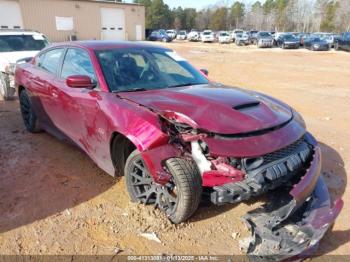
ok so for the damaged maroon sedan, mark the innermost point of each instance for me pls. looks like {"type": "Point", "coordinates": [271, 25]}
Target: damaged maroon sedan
{"type": "Point", "coordinates": [144, 112]}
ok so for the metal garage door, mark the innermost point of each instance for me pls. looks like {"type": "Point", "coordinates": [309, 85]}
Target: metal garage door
{"type": "Point", "coordinates": [113, 24]}
{"type": "Point", "coordinates": [10, 15]}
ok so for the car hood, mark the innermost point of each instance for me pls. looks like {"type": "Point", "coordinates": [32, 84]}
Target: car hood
{"type": "Point", "coordinates": [219, 110]}
{"type": "Point", "coordinates": [13, 57]}
{"type": "Point", "coordinates": [320, 42]}
{"type": "Point", "coordinates": [291, 42]}
{"type": "Point", "coordinates": [265, 38]}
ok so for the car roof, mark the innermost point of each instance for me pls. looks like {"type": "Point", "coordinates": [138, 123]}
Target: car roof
{"type": "Point", "coordinates": [102, 44]}
{"type": "Point", "coordinates": [18, 32]}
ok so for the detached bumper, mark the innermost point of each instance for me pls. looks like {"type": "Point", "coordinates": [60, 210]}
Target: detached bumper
{"type": "Point", "coordinates": [296, 236]}
{"type": "Point", "coordinates": [299, 222]}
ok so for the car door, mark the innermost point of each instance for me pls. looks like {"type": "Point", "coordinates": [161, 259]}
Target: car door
{"type": "Point", "coordinates": [77, 109]}
{"type": "Point", "coordinates": [43, 72]}
{"type": "Point", "coordinates": [346, 44]}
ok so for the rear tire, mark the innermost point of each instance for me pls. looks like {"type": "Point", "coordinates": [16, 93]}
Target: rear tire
{"type": "Point", "coordinates": [336, 46]}
{"type": "Point", "coordinates": [179, 198]}
{"type": "Point", "coordinates": [6, 91]}
{"type": "Point", "coordinates": [29, 117]}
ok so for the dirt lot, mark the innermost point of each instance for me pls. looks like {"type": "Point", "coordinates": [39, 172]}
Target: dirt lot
{"type": "Point", "coordinates": [54, 200]}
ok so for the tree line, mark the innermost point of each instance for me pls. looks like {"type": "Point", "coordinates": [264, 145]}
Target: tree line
{"type": "Point", "coordinates": [269, 15]}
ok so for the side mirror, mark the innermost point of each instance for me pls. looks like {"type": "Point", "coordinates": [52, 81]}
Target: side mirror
{"type": "Point", "coordinates": [80, 81]}
{"type": "Point", "coordinates": [24, 60]}
{"type": "Point", "coordinates": [204, 71]}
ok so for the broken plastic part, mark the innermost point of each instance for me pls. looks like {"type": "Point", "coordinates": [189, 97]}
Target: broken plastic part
{"type": "Point", "coordinates": [202, 163]}
{"type": "Point", "coordinates": [290, 231]}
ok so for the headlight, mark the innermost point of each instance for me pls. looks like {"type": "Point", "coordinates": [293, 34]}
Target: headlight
{"type": "Point", "coordinates": [298, 118]}
{"type": "Point", "coordinates": [180, 118]}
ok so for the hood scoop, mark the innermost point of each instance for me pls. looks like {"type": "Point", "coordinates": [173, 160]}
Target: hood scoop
{"type": "Point", "coordinates": [248, 105]}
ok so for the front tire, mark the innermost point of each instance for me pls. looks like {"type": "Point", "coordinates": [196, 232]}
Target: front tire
{"type": "Point", "coordinates": [6, 91]}
{"type": "Point", "coordinates": [29, 117]}
{"type": "Point", "coordinates": [178, 199]}
{"type": "Point", "coordinates": [336, 46]}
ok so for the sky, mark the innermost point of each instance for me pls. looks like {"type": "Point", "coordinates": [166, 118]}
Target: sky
{"type": "Point", "coordinates": [199, 4]}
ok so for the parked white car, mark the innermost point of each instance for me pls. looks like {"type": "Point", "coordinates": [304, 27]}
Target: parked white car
{"type": "Point", "coordinates": [16, 46]}
{"type": "Point", "coordinates": [171, 33]}
{"type": "Point", "coordinates": [193, 35]}
{"type": "Point", "coordinates": [181, 35]}
{"type": "Point", "coordinates": [235, 33]}
{"type": "Point", "coordinates": [207, 36]}
{"type": "Point", "coordinates": [224, 37]}
{"type": "Point", "coordinates": [242, 39]}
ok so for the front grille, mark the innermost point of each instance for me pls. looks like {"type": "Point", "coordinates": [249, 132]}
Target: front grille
{"type": "Point", "coordinates": [267, 172]}
{"type": "Point", "coordinates": [281, 163]}
{"type": "Point", "coordinates": [282, 153]}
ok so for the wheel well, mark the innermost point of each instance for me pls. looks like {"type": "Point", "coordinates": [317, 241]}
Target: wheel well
{"type": "Point", "coordinates": [20, 89]}
{"type": "Point", "coordinates": [120, 147]}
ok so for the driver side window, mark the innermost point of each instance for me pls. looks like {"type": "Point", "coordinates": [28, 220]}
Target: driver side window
{"type": "Point", "coordinates": [77, 62]}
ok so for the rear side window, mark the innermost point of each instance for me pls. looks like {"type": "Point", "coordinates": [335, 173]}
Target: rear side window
{"type": "Point", "coordinates": [77, 62]}
{"type": "Point", "coordinates": [17, 43]}
{"type": "Point", "coordinates": [50, 60]}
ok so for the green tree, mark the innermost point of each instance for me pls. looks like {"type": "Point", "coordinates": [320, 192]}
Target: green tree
{"type": "Point", "coordinates": [256, 6]}
{"type": "Point", "coordinates": [268, 6]}
{"type": "Point", "coordinates": [328, 19]}
{"type": "Point", "coordinates": [237, 14]}
{"type": "Point", "coordinates": [219, 18]}
{"type": "Point", "coordinates": [282, 19]}
{"type": "Point", "coordinates": [190, 15]}
{"type": "Point", "coordinates": [159, 15]}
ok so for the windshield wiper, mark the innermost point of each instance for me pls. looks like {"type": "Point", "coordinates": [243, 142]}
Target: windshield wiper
{"type": "Point", "coordinates": [187, 84]}
{"type": "Point", "coordinates": [131, 90]}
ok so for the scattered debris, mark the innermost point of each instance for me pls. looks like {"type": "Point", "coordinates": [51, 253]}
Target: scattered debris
{"type": "Point", "coordinates": [235, 235]}
{"type": "Point", "coordinates": [151, 236]}
{"type": "Point", "coordinates": [118, 250]}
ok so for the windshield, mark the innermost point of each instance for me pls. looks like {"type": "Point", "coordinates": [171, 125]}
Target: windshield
{"type": "Point", "coordinates": [289, 37]}
{"type": "Point", "coordinates": [146, 69]}
{"type": "Point", "coordinates": [264, 34]}
{"type": "Point", "coordinates": [16, 43]}
{"type": "Point", "coordinates": [224, 34]}
{"type": "Point", "coordinates": [207, 33]}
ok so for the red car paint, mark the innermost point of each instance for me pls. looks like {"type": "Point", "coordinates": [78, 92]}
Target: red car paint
{"type": "Point", "coordinates": [211, 107]}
